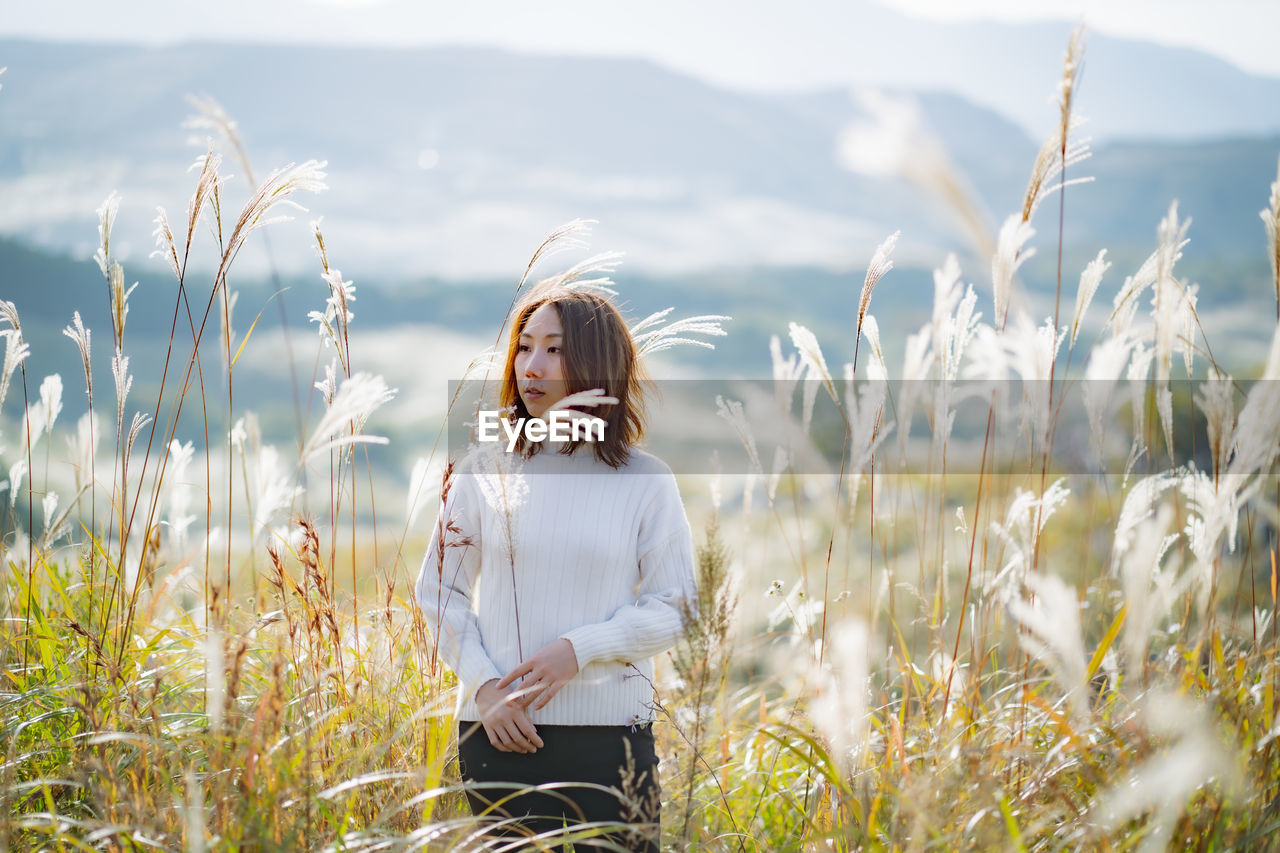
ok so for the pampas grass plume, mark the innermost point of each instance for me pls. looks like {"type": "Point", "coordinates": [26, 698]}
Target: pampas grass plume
{"type": "Point", "coordinates": [1271, 221]}
{"type": "Point", "coordinates": [1254, 438]}
{"type": "Point", "coordinates": [1217, 402]}
{"type": "Point", "coordinates": [16, 349]}
{"type": "Point", "coordinates": [1089, 281]}
{"type": "Point", "coordinates": [1009, 255]}
{"type": "Point", "coordinates": [80, 335]}
{"type": "Point", "coordinates": [650, 337]}
{"type": "Point", "coordinates": [351, 404]}
{"type": "Point", "coordinates": [806, 343]}
{"type": "Point", "coordinates": [275, 191]}
{"type": "Point", "coordinates": [880, 264]}
{"type": "Point", "coordinates": [839, 709]}
{"type": "Point", "coordinates": [731, 411]}
{"type": "Point", "coordinates": [124, 381]}
{"type": "Point", "coordinates": [1051, 619]}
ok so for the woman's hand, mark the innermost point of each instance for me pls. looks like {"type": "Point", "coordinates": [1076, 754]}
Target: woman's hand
{"type": "Point", "coordinates": [505, 720]}
{"type": "Point", "coordinates": [550, 668]}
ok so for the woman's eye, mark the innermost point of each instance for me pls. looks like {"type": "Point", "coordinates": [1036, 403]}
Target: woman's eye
{"type": "Point", "coordinates": [522, 348]}
{"type": "Point", "coordinates": [554, 350]}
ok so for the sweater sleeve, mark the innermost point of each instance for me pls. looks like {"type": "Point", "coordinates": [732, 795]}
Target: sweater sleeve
{"type": "Point", "coordinates": [446, 583]}
{"type": "Point", "coordinates": [666, 597]}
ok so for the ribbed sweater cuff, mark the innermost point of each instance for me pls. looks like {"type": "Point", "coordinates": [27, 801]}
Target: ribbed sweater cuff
{"type": "Point", "coordinates": [596, 642]}
{"type": "Point", "coordinates": [473, 671]}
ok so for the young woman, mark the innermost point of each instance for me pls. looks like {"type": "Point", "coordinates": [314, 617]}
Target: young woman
{"type": "Point", "coordinates": [556, 572]}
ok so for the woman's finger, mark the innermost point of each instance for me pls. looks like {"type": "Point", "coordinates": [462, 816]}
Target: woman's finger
{"type": "Point", "coordinates": [511, 743]}
{"type": "Point", "coordinates": [549, 691]}
{"type": "Point", "coordinates": [516, 727]}
{"type": "Point", "coordinates": [495, 740]}
{"type": "Point", "coordinates": [523, 743]}
{"type": "Point", "coordinates": [523, 669]}
{"type": "Point", "coordinates": [531, 733]}
{"type": "Point", "coordinates": [529, 693]}
{"type": "Point", "coordinates": [518, 695]}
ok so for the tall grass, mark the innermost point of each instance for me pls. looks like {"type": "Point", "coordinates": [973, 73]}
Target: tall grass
{"type": "Point", "coordinates": [994, 656]}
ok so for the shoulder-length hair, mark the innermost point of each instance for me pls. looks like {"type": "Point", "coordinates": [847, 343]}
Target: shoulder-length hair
{"type": "Point", "coordinates": [597, 352]}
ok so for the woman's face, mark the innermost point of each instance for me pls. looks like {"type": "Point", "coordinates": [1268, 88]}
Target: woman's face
{"type": "Point", "coordinates": [539, 362]}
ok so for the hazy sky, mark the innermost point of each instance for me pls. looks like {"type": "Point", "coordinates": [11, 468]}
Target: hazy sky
{"type": "Point", "coordinates": [1239, 31]}
{"type": "Point", "coordinates": [734, 42]}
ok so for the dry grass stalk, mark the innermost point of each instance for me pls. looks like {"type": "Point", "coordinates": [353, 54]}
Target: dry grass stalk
{"type": "Point", "coordinates": [702, 658]}
{"type": "Point", "coordinates": [895, 141]}
{"type": "Point", "coordinates": [277, 190]}
{"type": "Point", "coordinates": [1058, 152]}
{"type": "Point", "coordinates": [213, 117]}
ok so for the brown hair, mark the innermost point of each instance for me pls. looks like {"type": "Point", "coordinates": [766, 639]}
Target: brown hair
{"type": "Point", "coordinates": [597, 352]}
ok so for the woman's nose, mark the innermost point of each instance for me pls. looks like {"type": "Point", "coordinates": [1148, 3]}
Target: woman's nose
{"type": "Point", "coordinates": [533, 366]}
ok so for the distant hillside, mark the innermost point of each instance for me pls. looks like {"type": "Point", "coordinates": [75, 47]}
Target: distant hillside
{"type": "Point", "coordinates": [1128, 88]}
{"type": "Point", "coordinates": [1220, 185]}
{"type": "Point", "coordinates": [47, 288]}
{"type": "Point", "coordinates": [411, 331]}
{"type": "Point", "coordinates": [452, 163]}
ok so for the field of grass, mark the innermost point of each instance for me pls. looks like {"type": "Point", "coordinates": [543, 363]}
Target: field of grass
{"type": "Point", "coordinates": [954, 639]}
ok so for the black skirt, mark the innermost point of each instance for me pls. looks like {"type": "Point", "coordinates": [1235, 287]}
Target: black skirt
{"type": "Point", "coordinates": [620, 759]}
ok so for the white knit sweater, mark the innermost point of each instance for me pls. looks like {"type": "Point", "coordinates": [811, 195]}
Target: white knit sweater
{"type": "Point", "coordinates": [560, 546]}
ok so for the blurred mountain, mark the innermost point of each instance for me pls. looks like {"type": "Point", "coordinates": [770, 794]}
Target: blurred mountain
{"type": "Point", "coordinates": [454, 162]}
{"type": "Point", "coordinates": [1128, 88]}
